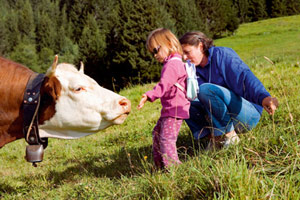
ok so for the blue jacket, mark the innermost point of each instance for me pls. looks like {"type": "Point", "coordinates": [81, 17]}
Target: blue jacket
{"type": "Point", "coordinates": [225, 68]}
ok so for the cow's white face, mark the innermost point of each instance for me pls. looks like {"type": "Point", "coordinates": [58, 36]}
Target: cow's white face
{"type": "Point", "coordinates": [83, 107]}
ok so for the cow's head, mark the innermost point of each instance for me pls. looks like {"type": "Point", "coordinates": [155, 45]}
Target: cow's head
{"type": "Point", "coordinates": [74, 105]}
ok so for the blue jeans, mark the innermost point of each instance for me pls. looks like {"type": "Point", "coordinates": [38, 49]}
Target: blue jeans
{"type": "Point", "coordinates": [220, 111]}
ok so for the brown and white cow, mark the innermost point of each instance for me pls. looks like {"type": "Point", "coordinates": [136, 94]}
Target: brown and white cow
{"type": "Point", "coordinates": [72, 104]}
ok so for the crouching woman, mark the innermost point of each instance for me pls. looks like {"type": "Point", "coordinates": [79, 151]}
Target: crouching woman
{"type": "Point", "coordinates": [231, 98]}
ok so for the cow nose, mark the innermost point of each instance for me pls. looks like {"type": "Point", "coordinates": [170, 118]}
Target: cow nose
{"type": "Point", "coordinates": [126, 104]}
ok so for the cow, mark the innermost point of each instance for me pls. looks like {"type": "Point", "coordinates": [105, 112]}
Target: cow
{"type": "Point", "coordinates": [72, 104]}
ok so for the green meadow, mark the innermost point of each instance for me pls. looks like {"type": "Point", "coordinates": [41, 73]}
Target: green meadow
{"type": "Point", "coordinates": [117, 163]}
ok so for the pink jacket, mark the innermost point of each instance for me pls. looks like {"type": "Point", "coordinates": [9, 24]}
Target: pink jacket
{"type": "Point", "coordinates": [173, 100]}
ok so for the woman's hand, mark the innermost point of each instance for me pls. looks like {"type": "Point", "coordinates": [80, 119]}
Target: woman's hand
{"type": "Point", "coordinates": [143, 101]}
{"type": "Point", "coordinates": [270, 104]}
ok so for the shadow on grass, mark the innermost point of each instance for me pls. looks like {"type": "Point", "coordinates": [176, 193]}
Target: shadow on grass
{"type": "Point", "coordinates": [6, 189]}
{"type": "Point", "coordinates": [188, 147]}
{"type": "Point", "coordinates": [126, 162]}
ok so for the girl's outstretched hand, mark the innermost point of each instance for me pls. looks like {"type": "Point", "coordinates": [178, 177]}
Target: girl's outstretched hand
{"type": "Point", "coordinates": [143, 101]}
{"type": "Point", "coordinates": [270, 104]}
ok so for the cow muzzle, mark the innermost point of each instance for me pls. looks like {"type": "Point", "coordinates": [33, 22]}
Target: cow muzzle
{"type": "Point", "coordinates": [125, 105]}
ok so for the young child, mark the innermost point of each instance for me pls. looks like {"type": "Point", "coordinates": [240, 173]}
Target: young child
{"type": "Point", "coordinates": [165, 47]}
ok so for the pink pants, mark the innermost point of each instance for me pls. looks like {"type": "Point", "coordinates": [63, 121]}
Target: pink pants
{"type": "Point", "coordinates": [165, 135]}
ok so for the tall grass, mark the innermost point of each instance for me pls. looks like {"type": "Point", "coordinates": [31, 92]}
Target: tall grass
{"type": "Point", "coordinates": [117, 163]}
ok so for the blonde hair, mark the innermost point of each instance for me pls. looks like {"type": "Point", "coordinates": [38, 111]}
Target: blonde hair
{"type": "Point", "coordinates": [163, 37]}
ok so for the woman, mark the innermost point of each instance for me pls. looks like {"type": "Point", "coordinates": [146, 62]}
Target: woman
{"type": "Point", "coordinates": [231, 98]}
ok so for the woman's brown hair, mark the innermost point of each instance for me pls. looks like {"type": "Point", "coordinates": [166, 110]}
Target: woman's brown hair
{"type": "Point", "coordinates": [194, 38]}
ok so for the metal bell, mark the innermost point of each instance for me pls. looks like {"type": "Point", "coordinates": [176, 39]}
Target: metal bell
{"type": "Point", "coordinates": [34, 154]}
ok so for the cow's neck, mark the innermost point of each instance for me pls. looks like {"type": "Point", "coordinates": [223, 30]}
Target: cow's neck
{"type": "Point", "coordinates": [13, 78]}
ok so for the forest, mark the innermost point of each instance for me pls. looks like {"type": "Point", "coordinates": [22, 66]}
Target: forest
{"type": "Point", "coordinates": [110, 36]}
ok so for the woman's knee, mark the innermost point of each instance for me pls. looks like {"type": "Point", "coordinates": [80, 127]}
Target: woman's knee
{"type": "Point", "coordinates": [207, 90]}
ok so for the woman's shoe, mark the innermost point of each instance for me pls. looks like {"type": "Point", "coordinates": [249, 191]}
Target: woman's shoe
{"type": "Point", "coordinates": [231, 138]}
{"type": "Point", "coordinates": [217, 142]}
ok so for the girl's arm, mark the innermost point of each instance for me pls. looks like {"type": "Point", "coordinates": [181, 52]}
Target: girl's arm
{"type": "Point", "coordinates": [143, 101]}
{"type": "Point", "coordinates": [169, 77]}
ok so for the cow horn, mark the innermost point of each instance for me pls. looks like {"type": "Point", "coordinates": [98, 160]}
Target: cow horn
{"type": "Point", "coordinates": [54, 65]}
{"type": "Point", "coordinates": [81, 67]}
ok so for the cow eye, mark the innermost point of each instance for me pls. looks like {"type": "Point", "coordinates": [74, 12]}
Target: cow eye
{"type": "Point", "coordinates": [79, 89]}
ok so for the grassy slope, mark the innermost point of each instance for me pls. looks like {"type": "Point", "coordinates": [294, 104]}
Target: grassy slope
{"type": "Point", "coordinates": [117, 163]}
{"type": "Point", "coordinates": [276, 38]}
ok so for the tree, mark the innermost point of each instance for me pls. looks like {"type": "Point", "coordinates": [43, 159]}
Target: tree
{"type": "Point", "coordinates": [45, 32]}
{"type": "Point", "coordinates": [257, 10]}
{"type": "Point", "coordinates": [26, 24]}
{"type": "Point", "coordinates": [185, 14]}
{"type": "Point", "coordinates": [242, 10]}
{"type": "Point", "coordinates": [4, 44]}
{"type": "Point", "coordinates": [45, 60]}
{"type": "Point", "coordinates": [293, 7]}
{"type": "Point", "coordinates": [219, 17]}
{"type": "Point", "coordinates": [26, 55]}
{"type": "Point", "coordinates": [131, 63]}
{"type": "Point", "coordinates": [3, 37]}
{"type": "Point", "coordinates": [91, 44]}
{"type": "Point", "coordinates": [64, 23]}
{"type": "Point", "coordinates": [78, 11]}
{"type": "Point", "coordinates": [69, 52]}
{"type": "Point", "coordinates": [278, 8]}
{"type": "Point", "coordinates": [13, 36]}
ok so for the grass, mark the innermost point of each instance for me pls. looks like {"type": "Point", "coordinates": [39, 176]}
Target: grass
{"type": "Point", "coordinates": [117, 162]}
{"type": "Point", "coordinates": [276, 38]}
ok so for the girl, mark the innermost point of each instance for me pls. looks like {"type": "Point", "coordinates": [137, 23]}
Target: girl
{"type": "Point", "coordinates": [165, 47]}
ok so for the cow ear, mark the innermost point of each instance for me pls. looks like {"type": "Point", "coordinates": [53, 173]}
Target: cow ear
{"type": "Point", "coordinates": [81, 67]}
{"type": "Point", "coordinates": [53, 68]}
{"type": "Point", "coordinates": [52, 87]}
